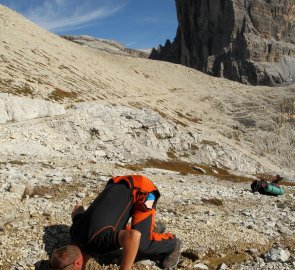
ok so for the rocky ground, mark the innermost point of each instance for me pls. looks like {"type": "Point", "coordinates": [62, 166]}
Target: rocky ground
{"type": "Point", "coordinates": [223, 225]}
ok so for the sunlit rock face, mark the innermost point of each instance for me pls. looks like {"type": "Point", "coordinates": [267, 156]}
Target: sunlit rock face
{"type": "Point", "coordinates": [250, 41]}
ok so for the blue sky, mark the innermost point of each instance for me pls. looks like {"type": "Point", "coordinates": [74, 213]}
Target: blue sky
{"type": "Point", "coordinates": [135, 23]}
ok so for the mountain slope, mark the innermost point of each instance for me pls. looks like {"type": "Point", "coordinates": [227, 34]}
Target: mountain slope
{"type": "Point", "coordinates": [230, 125]}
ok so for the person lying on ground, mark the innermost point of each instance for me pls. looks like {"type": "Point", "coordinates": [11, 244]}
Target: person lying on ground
{"type": "Point", "coordinates": [103, 227]}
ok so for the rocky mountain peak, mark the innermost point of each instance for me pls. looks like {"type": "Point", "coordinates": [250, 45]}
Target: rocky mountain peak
{"type": "Point", "coordinates": [251, 41]}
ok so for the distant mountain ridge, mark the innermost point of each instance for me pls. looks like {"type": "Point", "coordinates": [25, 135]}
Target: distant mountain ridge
{"type": "Point", "coordinates": [107, 45]}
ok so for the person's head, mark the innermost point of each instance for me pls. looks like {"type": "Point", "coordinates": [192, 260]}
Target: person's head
{"type": "Point", "coordinates": [68, 258]}
{"type": "Point", "coordinates": [279, 177]}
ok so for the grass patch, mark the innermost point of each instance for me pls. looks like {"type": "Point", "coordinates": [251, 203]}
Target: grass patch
{"type": "Point", "coordinates": [22, 90]}
{"type": "Point", "coordinates": [25, 90]}
{"type": "Point", "coordinates": [58, 192]}
{"type": "Point", "coordinates": [171, 153]}
{"type": "Point", "coordinates": [180, 166]}
{"type": "Point", "coordinates": [229, 259]}
{"type": "Point", "coordinates": [13, 162]}
{"type": "Point", "coordinates": [212, 201]}
{"type": "Point", "coordinates": [174, 89]}
{"type": "Point", "coordinates": [59, 94]}
{"type": "Point", "coordinates": [135, 104]}
{"type": "Point", "coordinates": [185, 168]}
{"type": "Point", "coordinates": [288, 242]}
{"type": "Point", "coordinates": [211, 143]}
{"type": "Point", "coordinates": [190, 118]}
{"type": "Point", "coordinates": [6, 82]}
{"type": "Point", "coordinates": [164, 115]}
{"type": "Point", "coordinates": [62, 67]}
{"type": "Point", "coordinates": [94, 132]}
{"type": "Point", "coordinates": [233, 255]}
{"type": "Point", "coordinates": [190, 254]}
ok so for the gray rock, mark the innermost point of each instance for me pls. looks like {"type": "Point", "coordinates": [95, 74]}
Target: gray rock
{"type": "Point", "coordinates": [100, 153]}
{"type": "Point", "coordinates": [201, 266]}
{"type": "Point", "coordinates": [199, 169]}
{"type": "Point", "coordinates": [55, 182]}
{"type": "Point", "coordinates": [13, 108]}
{"type": "Point", "coordinates": [104, 178]}
{"type": "Point", "coordinates": [286, 230]}
{"type": "Point", "coordinates": [223, 267]}
{"type": "Point", "coordinates": [147, 262]}
{"type": "Point", "coordinates": [67, 179]}
{"type": "Point", "coordinates": [277, 254]}
{"type": "Point", "coordinates": [81, 195]}
{"type": "Point", "coordinates": [18, 189]}
{"type": "Point", "coordinates": [254, 251]}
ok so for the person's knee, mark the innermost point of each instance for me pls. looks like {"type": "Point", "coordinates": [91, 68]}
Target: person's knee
{"type": "Point", "coordinates": [134, 235]}
{"type": "Point", "coordinates": [127, 237]}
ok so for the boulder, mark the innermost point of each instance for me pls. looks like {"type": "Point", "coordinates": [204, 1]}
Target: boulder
{"type": "Point", "coordinates": [16, 109]}
{"type": "Point", "coordinates": [277, 254]}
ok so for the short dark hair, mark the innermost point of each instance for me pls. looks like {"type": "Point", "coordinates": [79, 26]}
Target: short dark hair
{"type": "Point", "coordinates": [64, 257]}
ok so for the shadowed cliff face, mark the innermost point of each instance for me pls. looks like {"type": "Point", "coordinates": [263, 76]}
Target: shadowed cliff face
{"type": "Point", "coordinates": [204, 29]}
{"type": "Point", "coordinates": [251, 41]}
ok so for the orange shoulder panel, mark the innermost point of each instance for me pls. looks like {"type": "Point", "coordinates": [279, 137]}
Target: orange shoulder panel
{"type": "Point", "coordinates": [143, 183]}
{"type": "Point", "coordinates": [139, 181]}
{"type": "Point", "coordinates": [117, 179]}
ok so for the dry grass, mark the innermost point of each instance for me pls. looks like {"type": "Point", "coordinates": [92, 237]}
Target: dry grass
{"type": "Point", "coordinates": [190, 118]}
{"type": "Point", "coordinates": [59, 95]}
{"type": "Point", "coordinates": [185, 168]}
{"type": "Point", "coordinates": [7, 86]}
{"type": "Point", "coordinates": [213, 201]}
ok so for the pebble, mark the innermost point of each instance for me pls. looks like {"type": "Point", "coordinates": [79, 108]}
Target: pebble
{"type": "Point", "coordinates": [104, 178]}
{"type": "Point", "coordinates": [223, 267]}
{"type": "Point", "coordinates": [55, 182]}
{"type": "Point", "coordinates": [81, 195]}
{"type": "Point", "coordinates": [67, 179]}
{"type": "Point", "coordinates": [147, 262]}
{"type": "Point", "coordinates": [17, 188]}
{"type": "Point", "coordinates": [254, 251]}
{"type": "Point", "coordinates": [199, 169]}
{"type": "Point", "coordinates": [201, 266]}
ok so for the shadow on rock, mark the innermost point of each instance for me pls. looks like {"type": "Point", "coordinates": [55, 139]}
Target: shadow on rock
{"type": "Point", "coordinates": [55, 236]}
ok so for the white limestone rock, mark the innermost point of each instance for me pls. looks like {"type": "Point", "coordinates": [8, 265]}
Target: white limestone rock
{"type": "Point", "coordinates": [277, 254]}
{"type": "Point", "coordinates": [16, 109]}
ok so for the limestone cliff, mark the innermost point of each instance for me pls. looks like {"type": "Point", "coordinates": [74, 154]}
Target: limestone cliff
{"type": "Point", "coordinates": [250, 41]}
